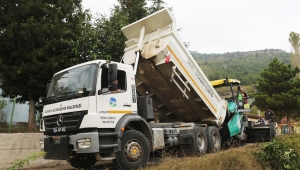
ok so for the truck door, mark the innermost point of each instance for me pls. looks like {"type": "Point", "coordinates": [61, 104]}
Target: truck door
{"type": "Point", "coordinates": [114, 104]}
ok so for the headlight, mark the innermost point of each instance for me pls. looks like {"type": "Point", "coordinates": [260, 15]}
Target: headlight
{"type": "Point", "coordinates": [84, 143]}
{"type": "Point", "coordinates": [42, 125]}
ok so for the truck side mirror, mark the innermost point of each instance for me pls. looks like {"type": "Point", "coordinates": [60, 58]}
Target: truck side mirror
{"type": "Point", "coordinates": [112, 76]}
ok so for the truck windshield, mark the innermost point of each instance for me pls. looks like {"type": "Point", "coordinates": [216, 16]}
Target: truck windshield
{"type": "Point", "coordinates": [69, 81]}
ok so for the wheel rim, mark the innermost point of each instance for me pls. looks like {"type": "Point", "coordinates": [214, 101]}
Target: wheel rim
{"type": "Point", "coordinates": [200, 142]}
{"type": "Point", "coordinates": [133, 151]}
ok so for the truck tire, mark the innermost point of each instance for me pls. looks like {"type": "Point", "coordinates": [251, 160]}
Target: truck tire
{"type": "Point", "coordinates": [135, 150]}
{"type": "Point", "coordinates": [83, 161]}
{"type": "Point", "coordinates": [200, 143]}
{"type": "Point", "coordinates": [214, 139]}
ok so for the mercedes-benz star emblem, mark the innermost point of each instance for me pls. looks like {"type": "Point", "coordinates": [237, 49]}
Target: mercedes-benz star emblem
{"type": "Point", "coordinates": [60, 120]}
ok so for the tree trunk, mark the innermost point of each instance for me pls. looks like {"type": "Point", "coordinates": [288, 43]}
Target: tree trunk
{"type": "Point", "coordinates": [288, 122]}
{"type": "Point", "coordinates": [31, 117]}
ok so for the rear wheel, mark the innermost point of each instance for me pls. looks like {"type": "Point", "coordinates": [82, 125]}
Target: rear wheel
{"type": "Point", "coordinates": [200, 143]}
{"type": "Point", "coordinates": [83, 161]}
{"type": "Point", "coordinates": [213, 138]}
{"type": "Point", "coordinates": [135, 150]}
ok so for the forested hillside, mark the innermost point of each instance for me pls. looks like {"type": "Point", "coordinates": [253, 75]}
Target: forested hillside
{"type": "Point", "coordinates": [245, 66]}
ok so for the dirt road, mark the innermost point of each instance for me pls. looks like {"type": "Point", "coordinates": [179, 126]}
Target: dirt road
{"type": "Point", "coordinates": [21, 145]}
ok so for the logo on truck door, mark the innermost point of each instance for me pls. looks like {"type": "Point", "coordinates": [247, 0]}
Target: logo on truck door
{"type": "Point", "coordinates": [113, 101]}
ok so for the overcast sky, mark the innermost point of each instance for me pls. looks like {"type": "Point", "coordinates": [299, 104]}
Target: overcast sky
{"type": "Point", "coordinates": [220, 26]}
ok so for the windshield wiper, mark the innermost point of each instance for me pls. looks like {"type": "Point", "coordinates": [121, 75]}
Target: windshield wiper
{"type": "Point", "coordinates": [51, 98]}
{"type": "Point", "coordinates": [68, 93]}
{"type": "Point", "coordinates": [72, 95]}
{"type": "Point", "coordinates": [65, 96]}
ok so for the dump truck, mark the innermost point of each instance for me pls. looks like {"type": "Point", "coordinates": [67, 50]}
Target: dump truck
{"type": "Point", "coordinates": [255, 131]}
{"type": "Point", "coordinates": [156, 98]}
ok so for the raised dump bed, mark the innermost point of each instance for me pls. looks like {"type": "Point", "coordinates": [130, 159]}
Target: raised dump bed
{"type": "Point", "coordinates": [166, 69]}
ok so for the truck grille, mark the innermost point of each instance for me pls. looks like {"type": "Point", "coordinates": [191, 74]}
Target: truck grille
{"type": "Point", "coordinates": [70, 121]}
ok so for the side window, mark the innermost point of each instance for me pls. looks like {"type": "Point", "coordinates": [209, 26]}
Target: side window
{"type": "Point", "coordinates": [121, 81]}
{"type": "Point", "coordinates": [104, 80]}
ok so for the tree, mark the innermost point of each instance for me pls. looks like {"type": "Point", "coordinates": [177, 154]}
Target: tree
{"type": "Point", "coordinates": [294, 39]}
{"type": "Point", "coordinates": [108, 29]}
{"type": "Point", "coordinates": [108, 32]}
{"type": "Point", "coordinates": [156, 6]}
{"type": "Point", "coordinates": [37, 39]}
{"type": "Point", "coordinates": [133, 9]}
{"type": "Point", "coordinates": [279, 89]}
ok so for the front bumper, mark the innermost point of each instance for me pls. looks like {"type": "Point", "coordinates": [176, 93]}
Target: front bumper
{"type": "Point", "coordinates": [60, 147]}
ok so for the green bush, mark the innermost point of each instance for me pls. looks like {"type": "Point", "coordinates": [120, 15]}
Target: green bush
{"type": "Point", "coordinates": [282, 153]}
{"type": "Point", "coordinates": [19, 163]}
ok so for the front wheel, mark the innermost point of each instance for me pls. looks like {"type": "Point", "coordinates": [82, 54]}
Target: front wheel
{"type": "Point", "coordinates": [135, 150]}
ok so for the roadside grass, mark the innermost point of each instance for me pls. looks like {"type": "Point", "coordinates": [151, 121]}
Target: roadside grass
{"type": "Point", "coordinates": [292, 140]}
{"type": "Point", "coordinates": [232, 159]}
{"type": "Point", "coordinates": [19, 163]}
{"type": "Point", "coordinates": [279, 154]}
{"type": "Point", "coordinates": [19, 127]}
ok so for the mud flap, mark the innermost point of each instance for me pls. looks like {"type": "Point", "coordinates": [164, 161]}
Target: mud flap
{"type": "Point", "coordinates": [56, 147]}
